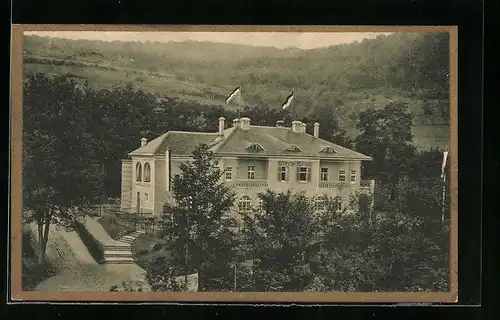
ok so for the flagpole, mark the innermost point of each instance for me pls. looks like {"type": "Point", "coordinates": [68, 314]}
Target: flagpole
{"type": "Point", "coordinates": [445, 156]}
{"type": "Point", "coordinates": [444, 197]}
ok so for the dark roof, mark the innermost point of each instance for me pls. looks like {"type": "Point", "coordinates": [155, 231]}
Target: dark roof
{"type": "Point", "coordinates": [274, 140]}
{"type": "Point", "coordinates": [180, 143]}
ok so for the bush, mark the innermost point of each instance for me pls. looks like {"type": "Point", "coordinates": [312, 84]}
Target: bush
{"type": "Point", "coordinates": [92, 244]}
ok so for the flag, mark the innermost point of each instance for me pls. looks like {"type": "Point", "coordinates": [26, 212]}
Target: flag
{"type": "Point", "coordinates": [445, 156]}
{"type": "Point", "coordinates": [288, 101]}
{"type": "Point", "coordinates": [236, 94]}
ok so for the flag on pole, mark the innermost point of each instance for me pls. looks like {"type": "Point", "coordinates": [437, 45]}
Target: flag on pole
{"type": "Point", "coordinates": [445, 156]}
{"type": "Point", "coordinates": [288, 101]}
{"type": "Point", "coordinates": [236, 94]}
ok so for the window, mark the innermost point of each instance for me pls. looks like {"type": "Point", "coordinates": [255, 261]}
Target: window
{"type": "Point", "coordinates": [229, 173]}
{"type": "Point", "coordinates": [353, 176]}
{"type": "Point", "coordinates": [260, 205]}
{"type": "Point", "coordinates": [251, 172]}
{"type": "Point", "coordinates": [147, 172]}
{"type": "Point", "coordinates": [341, 175]}
{"type": "Point", "coordinates": [337, 203]}
{"type": "Point", "coordinates": [292, 148]}
{"type": "Point", "coordinates": [328, 150]}
{"type": "Point", "coordinates": [146, 197]}
{"type": "Point", "coordinates": [245, 204]}
{"type": "Point", "coordinates": [255, 147]}
{"type": "Point", "coordinates": [303, 174]}
{"type": "Point", "coordinates": [138, 171]}
{"type": "Point", "coordinates": [319, 204]}
{"type": "Point", "coordinates": [324, 174]}
{"type": "Point", "coordinates": [282, 174]}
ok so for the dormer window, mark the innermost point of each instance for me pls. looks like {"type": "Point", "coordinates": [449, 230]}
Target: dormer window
{"type": "Point", "coordinates": [255, 147]}
{"type": "Point", "coordinates": [328, 150]}
{"type": "Point", "coordinates": [293, 148]}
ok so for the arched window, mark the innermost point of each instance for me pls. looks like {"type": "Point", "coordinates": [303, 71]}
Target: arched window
{"type": "Point", "coordinates": [328, 150]}
{"type": "Point", "coordinates": [138, 172]}
{"type": "Point", "coordinates": [245, 204]}
{"type": "Point", "coordinates": [319, 204]}
{"type": "Point", "coordinates": [255, 147]}
{"type": "Point", "coordinates": [292, 148]}
{"type": "Point", "coordinates": [337, 203]}
{"type": "Point", "coordinates": [147, 172]}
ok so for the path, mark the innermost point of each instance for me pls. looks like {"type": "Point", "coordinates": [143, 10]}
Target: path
{"type": "Point", "coordinates": [77, 269]}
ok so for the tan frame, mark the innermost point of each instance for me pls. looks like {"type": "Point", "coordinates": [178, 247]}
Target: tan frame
{"type": "Point", "coordinates": [17, 294]}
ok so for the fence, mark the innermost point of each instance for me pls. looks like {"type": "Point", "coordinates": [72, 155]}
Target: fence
{"type": "Point", "coordinates": [135, 222]}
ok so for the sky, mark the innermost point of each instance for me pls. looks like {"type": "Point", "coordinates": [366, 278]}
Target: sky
{"type": "Point", "coordinates": [304, 40]}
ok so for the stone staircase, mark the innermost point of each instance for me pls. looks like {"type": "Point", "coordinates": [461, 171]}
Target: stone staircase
{"type": "Point", "coordinates": [120, 253]}
{"type": "Point", "coordinates": [129, 238]}
{"type": "Point", "coordinates": [117, 254]}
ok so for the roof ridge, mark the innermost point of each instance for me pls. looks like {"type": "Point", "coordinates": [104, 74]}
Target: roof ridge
{"type": "Point", "coordinates": [223, 142]}
{"type": "Point", "coordinates": [163, 142]}
{"type": "Point", "coordinates": [195, 132]}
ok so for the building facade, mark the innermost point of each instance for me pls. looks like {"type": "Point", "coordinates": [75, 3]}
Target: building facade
{"type": "Point", "coordinates": [253, 159]}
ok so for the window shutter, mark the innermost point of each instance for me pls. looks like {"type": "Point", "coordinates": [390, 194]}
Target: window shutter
{"type": "Point", "coordinates": [287, 175]}
{"type": "Point", "coordinates": [279, 173]}
{"type": "Point", "coordinates": [308, 174]}
{"type": "Point", "coordinates": [298, 174]}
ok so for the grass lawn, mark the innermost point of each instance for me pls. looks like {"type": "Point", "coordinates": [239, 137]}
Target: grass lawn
{"type": "Point", "coordinates": [113, 228]}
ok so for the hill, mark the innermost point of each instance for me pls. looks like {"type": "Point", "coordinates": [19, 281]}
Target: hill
{"type": "Point", "coordinates": [346, 78]}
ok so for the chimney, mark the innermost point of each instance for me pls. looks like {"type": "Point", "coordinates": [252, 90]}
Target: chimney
{"type": "Point", "coordinates": [221, 125]}
{"type": "Point", "coordinates": [303, 127]}
{"type": "Point", "coordinates": [316, 130]}
{"type": "Point", "coordinates": [245, 123]}
{"type": "Point", "coordinates": [296, 126]}
{"type": "Point", "coordinates": [280, 123]}
{"type": "Point", "coordinates": [236, 122]}
{"type": "Point", "coordinates": [144, 141]}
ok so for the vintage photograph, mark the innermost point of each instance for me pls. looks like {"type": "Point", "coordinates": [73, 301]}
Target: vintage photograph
{"type": "Point", "coordinates": [237, 161]}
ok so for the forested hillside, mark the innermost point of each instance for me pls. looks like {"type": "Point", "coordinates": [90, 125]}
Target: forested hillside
{"type": "Point", "coordinates": [342, 79]}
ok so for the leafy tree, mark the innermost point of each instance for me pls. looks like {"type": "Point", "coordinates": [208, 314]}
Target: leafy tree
{"type": "Point", "coordinates": [386, 136]}
{"type": "Point", "coordinates": [198, 224]}
{"type": "Point", "coordinates": [61, 176]}
{"type": "Point", "coordinates": [278, 235]}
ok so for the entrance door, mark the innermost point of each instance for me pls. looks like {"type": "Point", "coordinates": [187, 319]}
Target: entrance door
{"type": "Point", "coordinates": [138, 202]}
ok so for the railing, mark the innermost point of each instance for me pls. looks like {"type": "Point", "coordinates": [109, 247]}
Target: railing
{"type": "Point", "coordinates": [333, 184]}
{"type": "Point", "coordinates": [250, 183]}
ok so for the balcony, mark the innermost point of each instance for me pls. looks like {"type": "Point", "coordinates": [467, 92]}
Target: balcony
{"type": "Point", "coordinates": [251, 183]}
{"type": "Point", "coordinates": [333, 184]}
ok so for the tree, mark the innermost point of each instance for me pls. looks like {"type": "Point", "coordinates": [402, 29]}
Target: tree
{"type": "Point", "coordinates": [386, 136]}
{"type": "Point", "coordinates": [61, 176]}
{"type": "Point", "coordinates": [278, 236]}
{"type": "Point", "coordinates": [198, 224]}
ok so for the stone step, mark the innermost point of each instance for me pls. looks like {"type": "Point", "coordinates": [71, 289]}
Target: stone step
{"type": "Point", "coordinates": [125, 247]}
{"type": "Point", "coordinates": [117, 260]}
{"type": "Point", "coordinates": [118, 253]}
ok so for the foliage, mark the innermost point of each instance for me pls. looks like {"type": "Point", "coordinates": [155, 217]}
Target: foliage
{"type": "Point", "coordinates": [199, 221]}
{"type": "Point", "coordinates": [386, 136]}
{"type": "Point", "coordinates": [278, 236]}
{"type": "Point", "coordinates": [414, 65]}
{"type": "Point", "coordinates": [340, 250]}
{"type": "Point", "coordinates": [61, 174]}
{"type": "Point", "coordinates": [131, 286]}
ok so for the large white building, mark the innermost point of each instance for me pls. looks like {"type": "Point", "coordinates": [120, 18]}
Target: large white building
{"type": "Point", "coordinates": [254, 158]}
